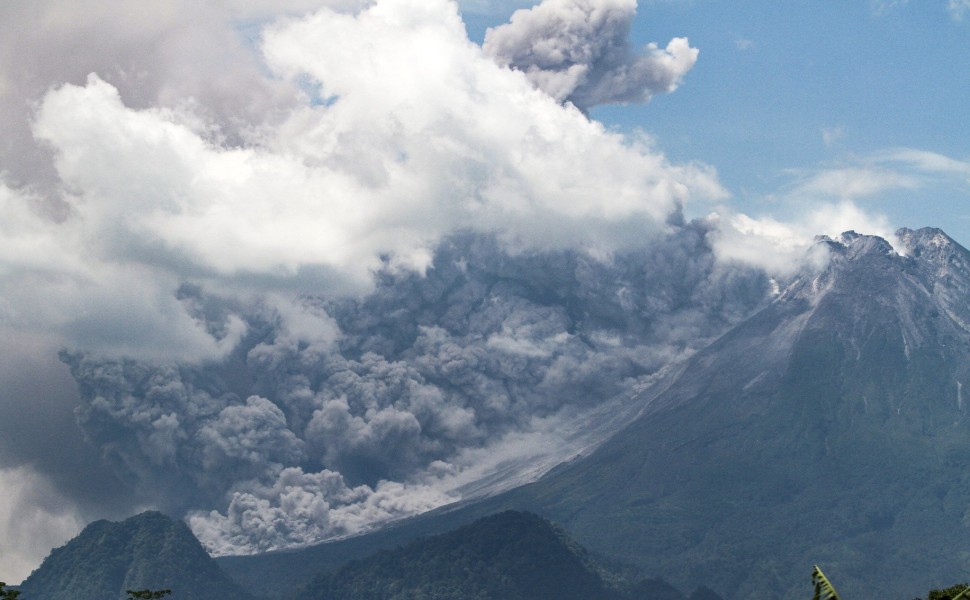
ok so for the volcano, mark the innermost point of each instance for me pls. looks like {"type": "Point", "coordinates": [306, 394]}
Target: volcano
{"type": "Point", "coordinates": [829, 428]}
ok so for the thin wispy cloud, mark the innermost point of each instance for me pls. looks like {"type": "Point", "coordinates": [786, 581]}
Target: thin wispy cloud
{"type": "Point", "coordinates": [882, 7]}
{"type": "Point", "coordinates": [743, 43]}
{"type": "Point", "coordinates": [925, 161]}
{"type": "Point", "coordinates": [832, 199]}
{"type": "Point", "coordinates": [958, 9]}
{"type": "Point", "coordinates": [870, 176]}
{"type": "Point", "coordinates": [851, 183]}
{"type": "Point", "coordinates": [832, 135]}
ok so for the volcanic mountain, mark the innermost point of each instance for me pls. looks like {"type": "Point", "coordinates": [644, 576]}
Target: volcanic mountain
{"type": "Point", "coordinates": [828, 428]}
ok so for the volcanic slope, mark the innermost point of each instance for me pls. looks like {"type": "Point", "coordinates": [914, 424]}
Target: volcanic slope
{"type": "Point", "coordinates": [829, 428]}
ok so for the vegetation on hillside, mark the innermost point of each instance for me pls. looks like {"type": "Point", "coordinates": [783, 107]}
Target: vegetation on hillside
{"type": "Point", "coordinates": [145, 554]}
{"type": "Point", "coordinates": [147, 594]}
{"type": "Point", "coordinates": [508, 556]}
{"type": "Point", "coordinates": [954, 592]}
{"type": "Point", "coordinates": [824, 590]}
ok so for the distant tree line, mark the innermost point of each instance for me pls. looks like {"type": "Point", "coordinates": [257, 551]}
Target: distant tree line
{"type": "Point", "coordinates": [824, 590]}
{"type": "Point", "coordinates": [147, 594]}
{"type": "Point", "coordinates": [6, 594]}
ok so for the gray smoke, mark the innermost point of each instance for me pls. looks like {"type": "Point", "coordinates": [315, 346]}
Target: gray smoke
{"type": "Point", "coordinates": [297, 438]}
{"type": "Point", "coordinates": [579, 51]}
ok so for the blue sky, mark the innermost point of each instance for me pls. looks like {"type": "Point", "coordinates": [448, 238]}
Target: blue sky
{"type": "Point", "coordinates": [786, 91]}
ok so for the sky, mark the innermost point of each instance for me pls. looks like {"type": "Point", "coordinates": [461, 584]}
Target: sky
{"type": "Point", "coordinates": [187, 189]}
{"type": "Point", "coordinates": [788, 97]}
{"type": "Point", "coordinates": [797, 103]}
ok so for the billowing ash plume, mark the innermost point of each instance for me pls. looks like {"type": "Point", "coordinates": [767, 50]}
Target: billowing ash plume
{"type": "Point", "coordinates": [345, 412]}
{"type": "Point", "coordinates": [181, 183]}
{"type": "Point", "coordinates": [579, 51]}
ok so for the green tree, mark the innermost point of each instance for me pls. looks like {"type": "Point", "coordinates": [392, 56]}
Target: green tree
{"type": "Point", "coordinates": [147, 594]}
{"type": "Point", "coordinates": [954, 592]}
{"type": "Point", "coordinates": [7, 594]}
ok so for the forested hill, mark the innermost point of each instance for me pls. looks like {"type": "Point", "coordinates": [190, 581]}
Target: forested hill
{"type": "Point", "coordinates": [508, 556]}
{"type": "Point", "coordinates": [148, 550]}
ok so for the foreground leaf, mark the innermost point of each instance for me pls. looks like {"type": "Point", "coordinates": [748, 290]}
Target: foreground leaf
{"type": "Point", "coordinates": [823, 588]}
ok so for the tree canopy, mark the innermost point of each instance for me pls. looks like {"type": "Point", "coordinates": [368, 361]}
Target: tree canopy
{"type": "Point", "coordinates": [147, 594]}
{"type": "Point", "coordinates": [6, 594]}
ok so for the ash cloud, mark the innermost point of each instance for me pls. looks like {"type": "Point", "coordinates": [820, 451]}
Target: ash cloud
{"type": "Point", "coordinates": [579, 51]}
{"type": "Point", "coordinates": [240, 221]}
{"type": "Point", "coordinates": [339, 434]}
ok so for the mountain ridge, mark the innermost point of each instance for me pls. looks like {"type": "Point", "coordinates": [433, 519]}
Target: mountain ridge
{"type": "Point", "coordinates": [146, 551]}
{"type": "Point", "coordinates": [509, 555]}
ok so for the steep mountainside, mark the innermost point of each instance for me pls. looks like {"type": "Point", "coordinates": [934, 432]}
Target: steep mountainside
{"type": "Point", "coordinates": [830, 428]}
{"type": "Point", "coordinates": [147, 551]}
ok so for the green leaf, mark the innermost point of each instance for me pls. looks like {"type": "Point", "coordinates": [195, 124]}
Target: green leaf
{"type": "Point", "coordinates": [823, 588]}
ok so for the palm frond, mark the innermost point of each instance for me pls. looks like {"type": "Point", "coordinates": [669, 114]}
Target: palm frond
{"type": "Point", "coordinates": [823, 588]}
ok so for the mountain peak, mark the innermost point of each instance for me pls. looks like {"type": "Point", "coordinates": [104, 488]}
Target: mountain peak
{"type": "Point", "coordinates": [148, 550]}
{"type": "Point", "coordinates": [926, 242]}
{"type": "Point", "coordinates": [853, 245]}
{"type": "Point", "coordinates": [855, 265]}
{"type": "Point", "coordinates": [924, 237]}
{"type": "Point", "coordinates": [859, 245]}
{"type": "Point", "coordinates": [925, 260]}
{"type": "Point", "coordinates": [932, 245]}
